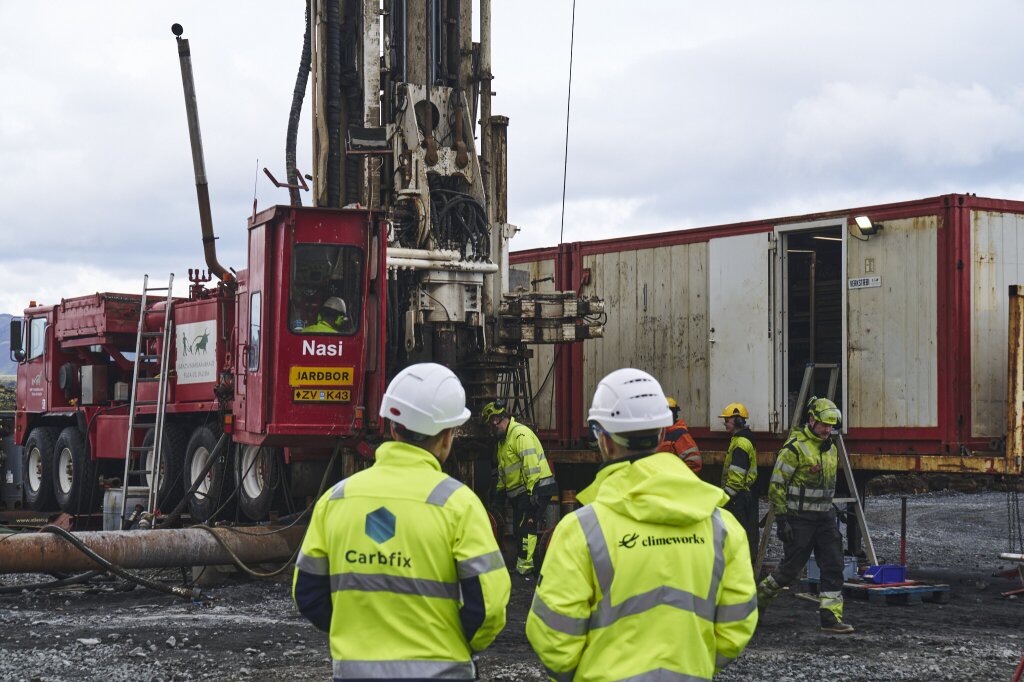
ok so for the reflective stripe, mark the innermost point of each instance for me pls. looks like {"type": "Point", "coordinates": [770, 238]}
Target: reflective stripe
{"type": "Point", "coordinates": [784, 467]}
{"type": "Point", "coordinates": [561, 677]}
{"type": "Point", "coordinates": [515, 492]}
{"type": "Point", "coordinates": [662, 675]}
{"type": "Point", "coordinates": [481, 564]}
{"type": "Point", "coordinates": [605, 614]}
{"type": "Point", "coordinates": [830, 599]}
{"type": "Point", "coordinates": [598, 549]}
{"type": "Point", "coordinates": [339, 490]}
{"type": "Point", "coordinates": [684, 453]}
{"type": "Point", "coordinates": [396, 670]}
{"type": "Point", "coordinates": [442, 491]}
{"type": "Point", "coordinates": [735, 612]}
{"type": "Point", "coordinates": [558, 622]}
{"type": "Point", "coordinates": [810, 492]}
{"type": "Point", "coordinates": [369, 582]}
{"type": "Point", "coordinates": [528, 451]}
{"type": "Point", "coordinates": [739, 470]}
{"type": "Point", "coordinates": [721, 660]}
{"type": "Point", "coordinates": [777, 478]}
{"type": "Point", "coordinates": [533, 470]}
{"type": "Point", "coordinates": [512, 468]}
{"type": "Point", "coordinates": [314, 565]}
{"type": "Point", "coordinates": [729, 490]}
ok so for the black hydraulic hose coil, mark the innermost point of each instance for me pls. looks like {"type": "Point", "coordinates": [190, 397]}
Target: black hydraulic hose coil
{"type": "Point", "coordinates": [295, 113]}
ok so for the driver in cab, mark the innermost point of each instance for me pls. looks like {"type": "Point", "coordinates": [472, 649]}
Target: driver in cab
{"type": "Point", "coordinates": [330, 318]}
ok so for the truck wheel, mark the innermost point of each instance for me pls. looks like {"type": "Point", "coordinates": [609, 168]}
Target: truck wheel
{"type": "Point", "coordinates": [172, 459]}
{"type": "Point", "coordinates": [74, 473]}
{"type": "Point", "coordinates": [38, 468]}
{"type": "Point", "coordinates": [205, 503]}
{"type": "Point", "coordinates": [258, 475]}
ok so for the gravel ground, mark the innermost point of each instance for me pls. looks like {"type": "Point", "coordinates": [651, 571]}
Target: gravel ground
{"type": "Point", "coordinates": [251, 631]}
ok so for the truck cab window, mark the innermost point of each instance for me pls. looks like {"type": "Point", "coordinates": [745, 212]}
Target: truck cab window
{"type": "Point", "coordinates": [254, 331]}
{"type": "Point", "coordinates": [326, 289]}
{"type": "Point", "coordinates": [36, 337]}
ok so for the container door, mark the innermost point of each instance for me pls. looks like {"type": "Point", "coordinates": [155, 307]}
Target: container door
{"type": "Point", "coordinates": [741, 343]}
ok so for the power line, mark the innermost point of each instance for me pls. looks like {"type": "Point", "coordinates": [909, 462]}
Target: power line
{"type": "Point", "coordinates": [568, 102]}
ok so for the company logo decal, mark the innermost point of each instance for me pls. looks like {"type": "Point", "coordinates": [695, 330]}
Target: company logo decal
{"type": "Point", "coordinates": [629, 541]}
{"type": "Point", "coordinates": [329, 350]}
{"type": "Point", "coordinates": [380, 525]}
{"type": "Point", "coordinates": [196, 356]}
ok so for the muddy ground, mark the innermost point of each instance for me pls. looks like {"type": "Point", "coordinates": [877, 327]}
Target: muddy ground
{"type": "Point", "coordinates": [251, 632]}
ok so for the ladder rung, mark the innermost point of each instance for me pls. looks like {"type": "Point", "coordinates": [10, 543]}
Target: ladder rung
{"type": "Point", "coordinates": [147, 380]}
{"type": "Point", "coordinates": [141, 448]}
{"type": "Point", "coordinates": [145, 402]}
{"type": "Point", "coordinates": [152, 335]}
{"type": "Point", "coordinates": [843, 500]}
{"type": "Point", "coordinates": [149, 289]}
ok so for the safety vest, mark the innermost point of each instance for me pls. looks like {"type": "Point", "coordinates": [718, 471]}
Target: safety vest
{"type": "Point", "coordinates": [804, 477]}
{"type": "Point", "coordinates": [521, 460]}
{"type": "Point", "coordinates": [737, 477]}
{"type": "Point", "coordinates": [400, 566]}
{"type": "Point", "coordinates": [651, 580]}
{"type": "Point", "coordinates": [678, 440]}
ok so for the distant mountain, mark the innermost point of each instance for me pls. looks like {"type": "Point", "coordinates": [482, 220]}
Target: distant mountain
{"type": "Point", "coordinates": [7, 368]}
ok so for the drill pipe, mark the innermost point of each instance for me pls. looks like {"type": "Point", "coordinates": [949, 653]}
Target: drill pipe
{"type": "Point", "coordinates": [47, 553]}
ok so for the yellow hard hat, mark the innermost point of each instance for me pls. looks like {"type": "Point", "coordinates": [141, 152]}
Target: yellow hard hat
{"type": "Point", "coordinates": [825, 411]}
{"type": "Point", "coordinates": [672, 404]}
{"type": "Point", "coordinates": [491, 409]}
{"type": "Point", "coordinates": [735, 410]}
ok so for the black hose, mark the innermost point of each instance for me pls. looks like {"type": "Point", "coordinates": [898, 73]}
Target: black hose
{"type": "Point", "coordinates": [63, 582]}
{"type": "Point", "coordinates": [295, 113]}
{"type": "Point", "coordinates": [177, 591]}
{"type": "Point", "coordinates": [333, 101]}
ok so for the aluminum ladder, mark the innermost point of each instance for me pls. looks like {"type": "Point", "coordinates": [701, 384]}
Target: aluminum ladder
{"type": "Point", "coordinates": [147, 359]}
{"type": "Point", "coordinates": [844, 461]}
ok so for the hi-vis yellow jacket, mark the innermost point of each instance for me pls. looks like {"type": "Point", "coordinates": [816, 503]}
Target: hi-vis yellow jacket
{"type": "Point", "coordinates": [804, 477]}
{"type": "Point", "coordinates": [521, 460]}
{"type": "Point", "coordinates": [650, 580]}
{"type": "Point", "coordinates": [401, 567]}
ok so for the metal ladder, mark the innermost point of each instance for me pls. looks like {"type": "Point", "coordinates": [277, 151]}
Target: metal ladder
{"type": "Point", "coordinates": [844, 461]}
{"type": "Point", "coordinates": [145, 363]}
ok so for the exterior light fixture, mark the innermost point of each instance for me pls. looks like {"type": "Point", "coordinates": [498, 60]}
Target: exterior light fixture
{"type": "Point", "coordinates": [866, 227]}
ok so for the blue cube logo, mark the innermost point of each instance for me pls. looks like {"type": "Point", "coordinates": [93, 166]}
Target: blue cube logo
{"type": "Point", "coordinates": [380, 525]}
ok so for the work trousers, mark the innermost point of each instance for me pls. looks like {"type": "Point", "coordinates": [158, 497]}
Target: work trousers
{"type": "Point", "coordinates": [813, 532]}
{"type": "Point", "coordinates": [743, 505]}
{"type": "Point", "coordinates": [526, 519]}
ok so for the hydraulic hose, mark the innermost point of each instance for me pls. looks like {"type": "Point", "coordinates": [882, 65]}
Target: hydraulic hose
{"type": "Point", "coordinates": [191, 594]}
{"type": "Point", "coordinates": [63, 582]}
{"type": "Point", "coordinates": [294, 114]}
{"type": "Point", "coordinates": [180, 507]}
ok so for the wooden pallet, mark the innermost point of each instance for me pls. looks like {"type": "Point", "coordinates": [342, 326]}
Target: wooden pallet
{"type": "Point", "coordinates": [910, 592]}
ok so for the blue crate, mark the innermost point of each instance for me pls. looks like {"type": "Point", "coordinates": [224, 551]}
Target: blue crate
{"type": "Point", "coordinates": [884, 574]}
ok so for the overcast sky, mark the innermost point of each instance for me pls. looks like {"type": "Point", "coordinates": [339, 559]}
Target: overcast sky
{"type": "Point", "coordinates": [684, 114]}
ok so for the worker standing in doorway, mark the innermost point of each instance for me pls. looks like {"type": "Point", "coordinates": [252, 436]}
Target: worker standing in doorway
{"type": "Point", "coordinates": [651, 579]}
{"type": "Point", "coordinates": [524, 477]}
{"type": "Point", "coordinates": [399, 564]}
{"type": "Point", "coordinates": [677, 439]}
{"type": "Point", "coordinates": [739, 472]}
{"type": "Point", "coordinates": [801, 491]}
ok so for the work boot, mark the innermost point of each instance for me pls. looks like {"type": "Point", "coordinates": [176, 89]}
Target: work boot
{"type": "Point", "coordinates": [831, 623]}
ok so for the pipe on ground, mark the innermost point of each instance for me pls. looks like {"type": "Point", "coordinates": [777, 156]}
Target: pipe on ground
{"type": "Point", "coordinates": [47, 553]}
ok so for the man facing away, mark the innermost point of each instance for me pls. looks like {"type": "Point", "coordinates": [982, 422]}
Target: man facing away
{"type": "Point", "coordinates": [399, 564]}
{"type": "Point", "coordinates": [650, 579]}
{"type": "Point", "coordinates": [524, 477]}
{"type": "Point", "coordinates": [801, 491]}
{"type": "Point", "coordinates": [739, 472]}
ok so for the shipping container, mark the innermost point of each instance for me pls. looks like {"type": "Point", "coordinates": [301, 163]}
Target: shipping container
{"type": "Point", "coordinates": [915, 315]}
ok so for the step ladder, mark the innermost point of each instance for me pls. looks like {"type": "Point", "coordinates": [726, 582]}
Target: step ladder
{"type": "Point", "coordinates": [150, 367]}
{"type": "Point", "coordinates": [844, 461]}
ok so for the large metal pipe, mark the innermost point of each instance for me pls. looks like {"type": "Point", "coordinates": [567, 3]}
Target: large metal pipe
{"type": "Point", "coordinates": [196, 139]}
{"type": "Point", "coordinates": [46, 552]}
{"type": "Point", "coordinates": [455, 266]}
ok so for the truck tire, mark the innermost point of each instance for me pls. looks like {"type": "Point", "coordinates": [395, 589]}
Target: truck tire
{"type": "Point", "coordinates": [258, 476]}
{"type": "Point", "coordinates": [75, 482]}
{"type": "Point", "coordinates": [37, 468]}
{"type": "Point", "coordinates": [205, 503]}
{"type": "Point", "coordinates": [172, 461]}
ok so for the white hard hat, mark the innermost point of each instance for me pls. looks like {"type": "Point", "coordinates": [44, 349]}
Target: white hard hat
{"type": "Point", "coordinates": [425, 398]}
{"type": "Point", "coordinates": [336, 304]}
{"type": "Point", "coordinates": [630, 400]}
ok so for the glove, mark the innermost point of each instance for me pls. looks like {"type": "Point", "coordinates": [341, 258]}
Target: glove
{"type": "Point", "coordinates": [498, 501]}
{"type": "Point", "coordinates": [534, 500]}
{"type": "Point", "coordinates": [784, 530]}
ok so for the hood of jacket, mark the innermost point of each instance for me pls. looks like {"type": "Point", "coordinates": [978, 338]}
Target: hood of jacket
{"type": "Point", "coordinates": [658, 488]}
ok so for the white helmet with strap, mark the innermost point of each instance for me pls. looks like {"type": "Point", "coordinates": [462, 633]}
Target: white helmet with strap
{"type": "Point", "coordinates": [425, 398]}
{"type": "Point", "coordinates": [630, 400]}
